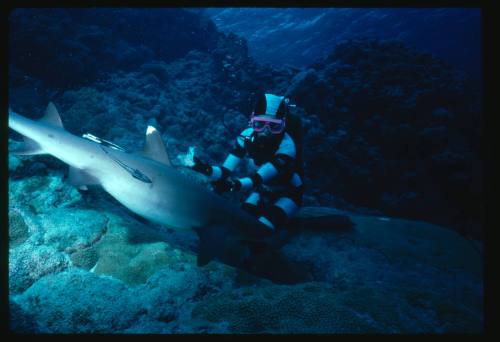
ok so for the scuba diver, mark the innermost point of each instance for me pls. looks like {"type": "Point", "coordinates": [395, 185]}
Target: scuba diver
{"type": "Point", "coordinates": [276, 185]}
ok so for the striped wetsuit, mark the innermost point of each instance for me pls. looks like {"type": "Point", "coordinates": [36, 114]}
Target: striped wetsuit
{"type": "Point", "coordinates": [276, 186]}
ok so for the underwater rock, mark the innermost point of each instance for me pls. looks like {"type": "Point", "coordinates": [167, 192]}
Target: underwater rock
{"type": "Point", "coordinates": [85, 258]}
{"type": "Point", "coordinates": [132, 252]}
{"type": "Point", "coordinates": [169, 289]}
{"type": "Point", "coordinates": [18, 229]}
{"type": "Point", "coordinates": [80, 302]}
{"type": "Point", "coordinates": [380, 275]}
{"type": "Point", "coordinates": [84, 110]}
{"type": "Point", "coordinates": [27, 94]}
{"type": "Point", "coordinates": [396, 105]}
{"type": "Point", "coordinates": [420, 241]}
{"type": "Point", "coordinates": [28, 263]}
{"type": "Point", "coordinates": [383, 275]}
{"type": "Point", "coordinates": [82, 44]}
{"type": "Point", "coordinates": [158, 70]}
{"type": "Point", "coordinates": [146, 326]}
{"type": "Point", "coordinates": [21, 321]}
{"type": "Point", "coordinates": [14, 161]}
{"type": "Point", "coordinates": [42, 193]}
{"type": "Point", "coordinates": [305, 308]}
{"type": "Point", "coordinates": [392, 239]}
{"type": "Point", "coordinates": [71, 230]}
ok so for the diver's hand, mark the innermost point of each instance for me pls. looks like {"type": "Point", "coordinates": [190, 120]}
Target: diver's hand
{"type": "Point", "coordinates": [224, 185]}
{"type": "Point", "coordinates": [201, 167]}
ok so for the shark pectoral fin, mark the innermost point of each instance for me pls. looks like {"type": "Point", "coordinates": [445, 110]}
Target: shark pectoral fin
{"type": "Point", "coordinates": [154, 147]}
{"type": "Point", "coordinates": [80, 178]}
{"type": "Point", "coordinates": [211, 243]}
{"type": "Point", "coordinates": [29, 148]}
{"type": "Point", "coordinates": [237, 252]}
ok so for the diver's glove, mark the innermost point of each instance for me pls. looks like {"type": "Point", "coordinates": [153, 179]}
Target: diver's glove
{"type": "Point", "coordinates": [226, 184]}
{"type": "Point", "coordinates": [201, 166]}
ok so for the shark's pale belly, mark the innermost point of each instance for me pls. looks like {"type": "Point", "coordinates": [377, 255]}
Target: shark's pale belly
{"type": "Point", "coordinates": [170, 205]}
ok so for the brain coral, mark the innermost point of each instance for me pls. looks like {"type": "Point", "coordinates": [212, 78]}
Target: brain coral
{"type": "Point", "coordinates": [308, 308]}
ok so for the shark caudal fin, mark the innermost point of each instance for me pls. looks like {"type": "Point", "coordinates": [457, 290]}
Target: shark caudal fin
{"type": "Point", "coordinates": [154, 148]}
{"type": "Point", "coordinates": [30, 146]}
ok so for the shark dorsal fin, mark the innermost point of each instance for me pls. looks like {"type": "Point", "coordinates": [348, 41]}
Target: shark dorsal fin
{"type": "Point", "coordinates": [154, 147]}
{"type": "Point", "coordinates": [52, 116]}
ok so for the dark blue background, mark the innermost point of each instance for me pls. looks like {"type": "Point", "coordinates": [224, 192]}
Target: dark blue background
{"type": "Point", "coordinates": [298, 36]}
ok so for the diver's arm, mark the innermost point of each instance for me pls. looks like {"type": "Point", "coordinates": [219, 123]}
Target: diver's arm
{"type": "Point", "coordinates": [232, 160]}
{"type": "Point", "coordinates": [282, 162]}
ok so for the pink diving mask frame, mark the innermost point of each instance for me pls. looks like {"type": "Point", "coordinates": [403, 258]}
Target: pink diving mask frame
{"type": "Point", "coordinates": [258, 123]}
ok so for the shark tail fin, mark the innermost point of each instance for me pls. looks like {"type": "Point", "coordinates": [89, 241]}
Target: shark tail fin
{"type": "Point", "coordinates": [29, 148]}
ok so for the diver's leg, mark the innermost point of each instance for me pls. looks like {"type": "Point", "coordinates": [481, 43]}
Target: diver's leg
{"type": "Point", "coordinates": [280, 212]}
{"type": "Point", "coordinates": [253, 204]}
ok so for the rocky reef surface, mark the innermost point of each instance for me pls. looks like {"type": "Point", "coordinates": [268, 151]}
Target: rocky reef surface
{"type": "Point", "coordinates": [402, 132]}
{"type": "Point", "coordinates": [82, 263]}
{"type": "Point", "coordinates": [392, 140]}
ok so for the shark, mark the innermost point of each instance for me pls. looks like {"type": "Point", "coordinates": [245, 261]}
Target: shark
{"type": "Point", "coordinates": [147, 184]}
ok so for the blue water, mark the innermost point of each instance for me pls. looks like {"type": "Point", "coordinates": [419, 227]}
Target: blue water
{"type": "Point", "coordinates": [298, 36]}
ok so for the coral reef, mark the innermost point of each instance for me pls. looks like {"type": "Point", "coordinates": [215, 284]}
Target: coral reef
{"type": "Point", "coordinates": [318, 308]}
{"type": "Point", "coordinates": [78, 270]}
{"type": "Point", "coordinates": [80, 301]}
{"type": "Point", "coordinates": [69, 47]}
{"type": "Point", "coordinates": [402, 129]}
{"type": "Point", "coordinates": [42, 193]}
{"type": "Point", "coordinates": [18, 230]}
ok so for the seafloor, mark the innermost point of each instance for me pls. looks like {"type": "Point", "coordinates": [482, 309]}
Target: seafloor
{"type": "Point", "coordinates": [85, 264]}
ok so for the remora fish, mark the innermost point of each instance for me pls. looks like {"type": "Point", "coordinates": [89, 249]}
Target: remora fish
{"type": "Point", "coordinates": [146, 183]}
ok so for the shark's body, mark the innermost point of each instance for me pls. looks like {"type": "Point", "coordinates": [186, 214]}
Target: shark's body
{"type": "Point", "coordinates": [144, 182]}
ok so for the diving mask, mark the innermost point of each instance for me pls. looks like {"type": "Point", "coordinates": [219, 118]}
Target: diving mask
{"type": "Point", "coordinates": [259, 123]}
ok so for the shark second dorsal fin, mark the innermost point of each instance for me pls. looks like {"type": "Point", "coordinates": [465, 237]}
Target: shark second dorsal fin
{"type": "Point", "coordinates": [154, 147]}
{"type": "Point", "coordinates": [52, 116]}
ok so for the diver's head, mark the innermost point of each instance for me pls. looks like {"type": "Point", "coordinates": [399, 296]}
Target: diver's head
{"type": "Point", "coordinates": [269, 116]}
